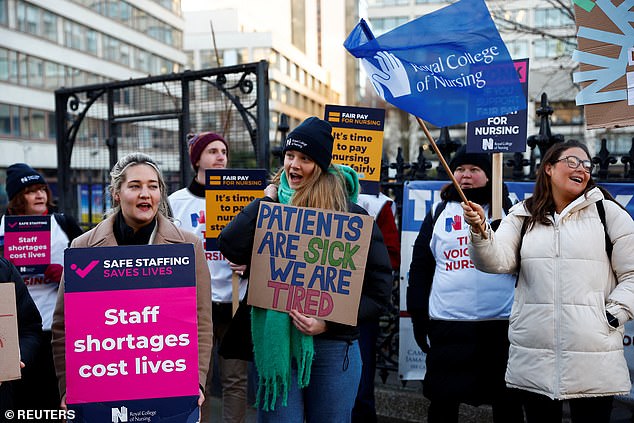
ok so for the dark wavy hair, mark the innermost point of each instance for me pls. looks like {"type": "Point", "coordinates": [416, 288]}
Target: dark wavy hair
{"type": "Point", "coordinates": [542, 204]}
{"type": "Point", "coordinates": [17, 205]}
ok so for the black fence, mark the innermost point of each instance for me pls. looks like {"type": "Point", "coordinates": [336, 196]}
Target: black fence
{"type": "Point", "coordinates": [96, 124]}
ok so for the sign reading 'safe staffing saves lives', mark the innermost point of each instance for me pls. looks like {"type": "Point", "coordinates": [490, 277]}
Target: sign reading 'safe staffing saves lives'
{"type": "Point", "coordinates": [227, 191]}
{"type": "Point", "coordinates": [309, 260]}
{"type": "Point", "coordinates": [27, 244]}
{"type": "Point", "coordinates": [358, 134]}
{"type": "Point", "coordinates": [131, 333]}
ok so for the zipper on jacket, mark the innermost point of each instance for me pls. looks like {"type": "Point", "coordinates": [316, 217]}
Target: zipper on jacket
{"type": "Point", "coordinates": [557, 310]}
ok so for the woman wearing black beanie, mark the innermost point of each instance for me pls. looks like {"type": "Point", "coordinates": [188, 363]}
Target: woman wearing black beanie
{"type": "Point", "coordinates": [459, 314]}
{"type": "Point", "coordinates": [309, 369]}
{"type": "Point", "coordinates": [30, 195]}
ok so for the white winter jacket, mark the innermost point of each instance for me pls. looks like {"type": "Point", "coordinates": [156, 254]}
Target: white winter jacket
{"type": "Point", "coordinates": [561, 343]}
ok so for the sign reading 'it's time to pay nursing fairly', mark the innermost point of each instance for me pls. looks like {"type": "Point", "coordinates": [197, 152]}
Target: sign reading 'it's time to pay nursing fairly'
{"type": "Point", "coordinates": [358, 134]}
{"type": "Point", "coordinates": [227, 191]}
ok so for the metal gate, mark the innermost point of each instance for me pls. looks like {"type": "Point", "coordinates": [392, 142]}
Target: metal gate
{"type": "Point", "coordinates": [97, 124]}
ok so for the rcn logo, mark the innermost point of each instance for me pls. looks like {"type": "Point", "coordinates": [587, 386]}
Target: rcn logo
{"type": "Point", "coordinates": [453, 223]}
{"type": "Point", "coordinates": [487, 144]}
{"type": "Point", "coordinates": [197, 218]}
{"type": "Point", "coordinates": [119, 415]}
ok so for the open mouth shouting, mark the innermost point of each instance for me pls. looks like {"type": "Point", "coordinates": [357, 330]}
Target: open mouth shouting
{"type": "Point", "coordinates": [295, 178]}
{"type": "Point", "coordinates": [144, 207]}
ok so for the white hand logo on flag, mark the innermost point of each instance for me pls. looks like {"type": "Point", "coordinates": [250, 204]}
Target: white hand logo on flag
{"type": "Point", "coordinates": [392, 75]}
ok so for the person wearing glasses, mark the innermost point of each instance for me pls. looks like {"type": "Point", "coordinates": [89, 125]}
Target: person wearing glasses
{"type": "Point", "coordinates": [575, 288]}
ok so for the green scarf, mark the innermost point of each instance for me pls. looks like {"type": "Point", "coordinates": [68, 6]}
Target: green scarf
{"type": "Point", "coordinates": [349, 175]}
{"type": "Point", "coordinates": [276, 341]}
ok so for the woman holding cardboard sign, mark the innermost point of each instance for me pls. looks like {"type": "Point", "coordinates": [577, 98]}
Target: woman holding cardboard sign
{"type": "Point", "coordinates": [309, 369]}
{"type": "Point", "coordinates": [139, 217]}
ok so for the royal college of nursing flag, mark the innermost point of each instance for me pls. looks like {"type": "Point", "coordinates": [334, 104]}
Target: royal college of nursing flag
{"type": "Point", "coordinates": [447, 67]}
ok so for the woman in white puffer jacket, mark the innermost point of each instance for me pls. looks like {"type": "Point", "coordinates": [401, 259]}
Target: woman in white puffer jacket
{"type": "Point", "coordinates": [571, 300]}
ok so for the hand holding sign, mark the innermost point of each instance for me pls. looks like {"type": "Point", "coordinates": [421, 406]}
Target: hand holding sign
{"type": "Point", "coordinates": [307, 325]}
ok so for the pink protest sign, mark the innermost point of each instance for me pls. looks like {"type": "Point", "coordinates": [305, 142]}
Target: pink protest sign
{"type": "Point", "coordinates": [131, 344]}
{"type": "Point", "coordinates": [131, 325]}
{"type": "Point", "coordinates": [27, 242]}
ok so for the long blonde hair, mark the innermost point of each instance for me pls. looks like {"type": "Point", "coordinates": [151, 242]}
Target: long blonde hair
{"type": "Point", "coordinates": [323, 190]}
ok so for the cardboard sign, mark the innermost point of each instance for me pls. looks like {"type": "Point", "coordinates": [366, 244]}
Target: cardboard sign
{"type": "Point", "coordinates": [605, 51]}
{"type": "Point", "coordinates": [358, 134]}
{"type": "Point", "coordinates": [131, 332]}
{"type": "Point", "coordinates": [9, 344]}
{"type": "Point", "coordinates": [227, 191]}
{"type": "Point", "coordinates": [310, 260]}
{"type": "Point", "coordinates": [27, 243]}
{"type": "Point", "coordinates": [505, 133]}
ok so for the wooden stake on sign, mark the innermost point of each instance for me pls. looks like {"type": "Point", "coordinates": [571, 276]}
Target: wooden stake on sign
{"type": "Point", "coordinates": [496, 184]}
{"type": "Point", "coordinates": [235, 293]}
{"type": "Point", "coordinates": [482, 228]}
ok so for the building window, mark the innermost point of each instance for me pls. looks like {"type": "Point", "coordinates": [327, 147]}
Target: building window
{"type": "Point", "coordinates": [22, 69]}
{"type": "Point", "coordinates": [36, 72]}
{"type": "Point", "coordinates": [387, 3]}
{"type": "Point", "coordinates": [24, 122]}
{"type": "Point", "coordinates": [4, 64]}
{"type": "Point", "coordinates": [53, 75]}
{"type": "Point", "coordinates": [72, 35]}
{"type": "Point", "coordinates": [49, 26]}
{"type": "Point", "coordinates": [4, 14]}
{"type": "Point", "coordinates": [552, 48]}
{"type": "Point", "coordinates": [274, 87]}
{"type": "Point", "coordinates": [13, 67]}
{"type": "Point", "coordinates": [504, 17]}
{"type": "Point", "coordinates": [38, 123]}
{"type": "Point", "coordinates": [283, 65]}
{"type": "Point", "coordinates": [552, 18]}
{"type": "Point", "coordinates": [5, 119]}
{"type": "Point", "coordinates": [52, 125]}
{"type": "Point", "coordinates": [518, 49]}
{"type": "Point", "coordinates": [15, 121]}
{"type": "Point", "coordinates": [137, 19]}
{"type": "Point", "coordinates": [91, 41]}
{"type": "Point", "coordinates": [383, 25]}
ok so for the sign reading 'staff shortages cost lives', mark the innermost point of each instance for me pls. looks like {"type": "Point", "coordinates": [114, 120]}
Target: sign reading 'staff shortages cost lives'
{"type": "Point", "coordinates": [358, 134]}
{"type": "Point", "coordinates": [131, 333]}
{"type": "Point", "coordinates": [227, 191]}
{"type": "Point", "coordinates": [27, 244]}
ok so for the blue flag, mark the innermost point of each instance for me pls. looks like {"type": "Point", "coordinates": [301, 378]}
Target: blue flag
{"type": "Point", "coordinates": [447, 67]}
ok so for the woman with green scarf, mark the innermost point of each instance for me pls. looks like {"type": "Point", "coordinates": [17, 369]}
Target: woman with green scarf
{"type": "Point", "coordinates": [309, 369]}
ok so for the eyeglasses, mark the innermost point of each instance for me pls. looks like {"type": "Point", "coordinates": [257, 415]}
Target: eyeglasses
{"type": "Point", "coordinates": [573, 162]}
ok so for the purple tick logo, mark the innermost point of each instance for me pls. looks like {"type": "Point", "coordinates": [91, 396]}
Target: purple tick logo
{"type": "Point", "coordinates": [82, 273]}
{"type": "Point", "coordinates": [12, 225]}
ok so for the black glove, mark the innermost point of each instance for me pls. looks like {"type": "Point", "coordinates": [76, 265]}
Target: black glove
{"type": "Point", "coordinates": [420, 324]}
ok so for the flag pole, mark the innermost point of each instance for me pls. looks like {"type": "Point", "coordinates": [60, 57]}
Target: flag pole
{"type": "Point", "coordinates": [481, 228]}
{"type": "Point", "coordinates": [497, 168]}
